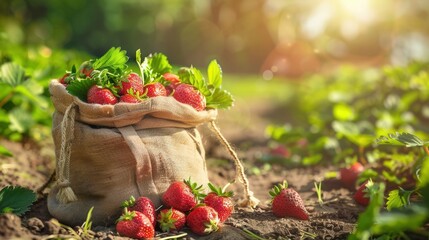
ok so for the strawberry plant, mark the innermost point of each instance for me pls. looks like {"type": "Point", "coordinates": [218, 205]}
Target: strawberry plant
{"type": "Point", "coordinates": [21, 101]}
{"type": "Point", "coordinates": [340, 119]}
{"type": "Point", "coordinates": [404, 213]}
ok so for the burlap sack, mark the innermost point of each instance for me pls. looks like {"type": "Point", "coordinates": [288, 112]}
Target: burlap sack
{"type": "Point", "coordinates": [106, 153]}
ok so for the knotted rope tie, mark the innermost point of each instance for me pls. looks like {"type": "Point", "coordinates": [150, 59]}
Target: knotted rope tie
{"type": "Point", "coordinates": [65, 192]}
{"type": "Point", "coordinates": [250, 200]}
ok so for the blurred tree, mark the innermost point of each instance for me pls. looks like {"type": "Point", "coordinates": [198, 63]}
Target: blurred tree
{"type": "Point", "coordinates": [275, 37]}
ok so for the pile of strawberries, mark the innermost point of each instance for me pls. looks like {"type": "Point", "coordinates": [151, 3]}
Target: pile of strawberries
{"type": "Point", "coordinates": [183, 204]}
{"type": "Point", "coordinates": [132, 90]}
{"type": "Point", "coordinates": [108, 80]}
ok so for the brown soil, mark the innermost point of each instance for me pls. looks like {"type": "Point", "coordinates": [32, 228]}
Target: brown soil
{"type": "Point", "coordinates": [334, 219]}
{"type": "Point", "coordinates": [32, 165]}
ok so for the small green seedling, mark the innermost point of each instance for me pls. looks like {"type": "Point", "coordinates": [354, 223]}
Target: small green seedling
{"type": "Point", "coordinates": [318, 188]}
{"type": "Point", "coordinates": [84, 231]}
{"type": "Point", "coordinates": [252, 235]}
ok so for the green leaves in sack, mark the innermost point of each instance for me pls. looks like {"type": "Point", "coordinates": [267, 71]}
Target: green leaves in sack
{"type": "Point", "coordinates": [106, 71]}
{"type": "Point", "coordinates": [153, 66]}
{"type": "Point", "coordinates": [115, 60]}
{"type": "Point", "coordinates": [16, 200]}
{"type": "Point", "coordinates": [211, 88]}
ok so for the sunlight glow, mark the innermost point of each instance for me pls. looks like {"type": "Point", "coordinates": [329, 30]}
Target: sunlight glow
{"type": "Point", "coordinates": [350, 16]}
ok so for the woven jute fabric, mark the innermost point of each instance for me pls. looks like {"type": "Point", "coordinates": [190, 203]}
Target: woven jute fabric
{"type": "Point", "coordinates": [107, 153]}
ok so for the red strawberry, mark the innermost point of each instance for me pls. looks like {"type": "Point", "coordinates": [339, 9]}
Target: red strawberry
{"type": "Point", "coordinates": [143, 205]}
{"type": "Point", "coordinates": [280, 151]}
{"type": "Point", "coordinates": [187, 94]}
{"type": "Point", "coordinates": [172, 78]}
{"type": "Point", "coordinates": [135, 225]}
{"type": "Point", "coordinates": [349, 175]}
{"type": "Point", "coordinates": [203, 220]}
{"type": "Point", "coordinates": [171, 220]}
{"type": "Point", "coordinates": [155, 89]}
{"type": "Point", "coordinates": [86, 68]}
{"type": "Point", "coordinates": [287, 202]}
{"type": "Point", "coordinates": [182, 195]}
{"type": "Point", "coordinates": [133, 81]}
{"type": "Point", "coordinates": [361, 195]}
{"type": "Point", "coordinates": [220, 201]}
{"type": "Point", "coordinates": [100, 95]}
{"type": "Point", "coordinates": [129, 98]}
{"type": "Point", "coordinates": [63, 80]}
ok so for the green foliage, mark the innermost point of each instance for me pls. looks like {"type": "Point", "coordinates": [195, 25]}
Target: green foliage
{"type": "Point", "coordinates": [114, 60]}
{"type": "Point", "coordinates": [368, 218]}
{"type": "Point", "coordinates": [20, 95]}
{"type": "Point", "coordinates": [79, 88]}
{"type": "Point", "coordinates": [25, 74]}
{"type": "Point", "coordinates": [153, 66]}
{"type": "Point", "coordinates": [404, 139]}
{"type": "Point", "coordinates": [341, 114]}
{"type": "Point", "coordinates": [5, 152]}
{"type": "Point", "coordinates": [398, 198]}
{"type": "Point", "coordinates": [16, 200]}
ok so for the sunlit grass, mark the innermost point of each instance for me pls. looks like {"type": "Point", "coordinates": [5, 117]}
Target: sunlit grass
{"type": "Point", "coordinates": [254, 87]}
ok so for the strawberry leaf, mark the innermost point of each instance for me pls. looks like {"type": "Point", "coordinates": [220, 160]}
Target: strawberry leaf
{"type": "Point", "coordinates": [221, 99]}
{"type": "Point", "coordinates": [214, 74]}
{"type": "Point", "coordinates": [153, 66]}
{"type": "Point", "coordinates": [159, 63]}
{"type": "Point", "coordinates": [398, 198]}
{"type": "Point", "coordinates": [194, 77]}
{"type": "Point", "coordinates": [114, 59]}
{"type": "Point", "coordinates": [405, 139]}
{"type": "Point", "coordinates": [12, 74]}
{"type": "Point", "coordinates": [16, 200]}
{"type": "Point", "coordinates": [398, 221]}
{"type": "Point", "coordinates": [79, 88]}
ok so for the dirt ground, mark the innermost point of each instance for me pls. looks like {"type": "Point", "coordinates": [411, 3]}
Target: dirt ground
{"type": "Point", "coordinates": [333, 220]}
{"type": "Point", "coordinates": [32, 165]}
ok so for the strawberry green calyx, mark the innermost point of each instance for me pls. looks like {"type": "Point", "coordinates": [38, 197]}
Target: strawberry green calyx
{"type": "Point", "coordinates": [126, 215]}
{"type": "Point", "coordinates": [129, 203]}
{"type": "Point", "coordinates": [212, 226]}
{"type": "Point", "coordinates": [221, 191]}
{"type": "Point", "coordinates": [278, 188]}
{"type": "Point", "coordinates": [195, 189]}
{"type": "Point", "coordinates": [166, 222]}
{"type": "Point", "coordinates": [171, 220]}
